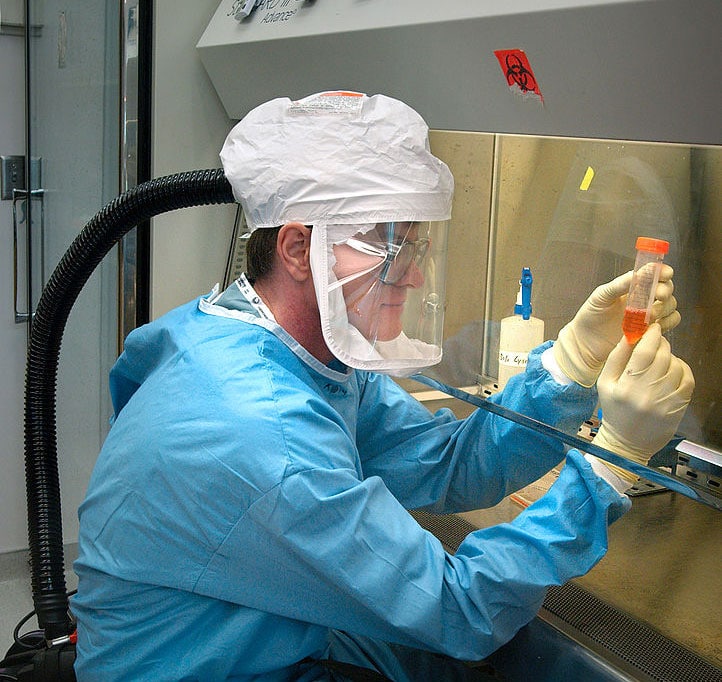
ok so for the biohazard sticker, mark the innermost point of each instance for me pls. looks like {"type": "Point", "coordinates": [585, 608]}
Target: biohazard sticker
{"type": "Point", "coordinates": [518, 73]}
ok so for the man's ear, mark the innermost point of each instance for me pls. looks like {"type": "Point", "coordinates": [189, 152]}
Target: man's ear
{"type": "Point", "coordinates": [293, 248]}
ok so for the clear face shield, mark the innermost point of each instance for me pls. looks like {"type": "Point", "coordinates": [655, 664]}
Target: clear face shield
{"type": "Point", "coordinates": [380, 289]}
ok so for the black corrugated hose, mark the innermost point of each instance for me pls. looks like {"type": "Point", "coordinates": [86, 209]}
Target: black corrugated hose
{"type": "Point", "coordinates": [183, 190]}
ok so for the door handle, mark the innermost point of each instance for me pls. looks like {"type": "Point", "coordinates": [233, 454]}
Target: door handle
{"type": "Point", "coordinates": [20, 198]}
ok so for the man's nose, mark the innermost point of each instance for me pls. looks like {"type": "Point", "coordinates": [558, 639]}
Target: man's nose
{"type": "Point", "coordinates": [412, 278]}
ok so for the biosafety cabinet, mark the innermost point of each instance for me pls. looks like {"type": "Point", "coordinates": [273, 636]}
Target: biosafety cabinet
{"type": "Point", "coordinates": [571, 128]}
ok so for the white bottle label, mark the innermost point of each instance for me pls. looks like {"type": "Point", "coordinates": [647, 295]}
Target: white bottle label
{"type": "Point", "coordinates": [513, 359]}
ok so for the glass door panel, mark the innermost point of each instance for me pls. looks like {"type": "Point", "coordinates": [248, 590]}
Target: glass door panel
{"type": "Point", "coordinates": [73, 130]}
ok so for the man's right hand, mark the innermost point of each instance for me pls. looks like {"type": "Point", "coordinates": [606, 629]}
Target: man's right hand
{"type": "Point", "coordinates": [644, 391]}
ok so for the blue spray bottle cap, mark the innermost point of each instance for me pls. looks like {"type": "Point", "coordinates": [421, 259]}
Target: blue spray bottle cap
{"type": "Point", "coordinates": [523, 307]}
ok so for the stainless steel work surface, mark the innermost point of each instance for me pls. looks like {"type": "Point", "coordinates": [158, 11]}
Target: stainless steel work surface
{"type": "Point", "coordinates": [664, 568]}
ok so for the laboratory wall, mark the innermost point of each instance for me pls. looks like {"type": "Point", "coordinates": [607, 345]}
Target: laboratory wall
{"type": "Point", "coordinates": [190, 247]}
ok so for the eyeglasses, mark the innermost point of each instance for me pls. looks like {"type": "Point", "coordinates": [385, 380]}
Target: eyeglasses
{"type": "Point", "coordinates": [397, 258]}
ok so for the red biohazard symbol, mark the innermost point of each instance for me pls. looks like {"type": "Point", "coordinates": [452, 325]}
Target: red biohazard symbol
{"type": "Point", "coordinates": [517, 70]}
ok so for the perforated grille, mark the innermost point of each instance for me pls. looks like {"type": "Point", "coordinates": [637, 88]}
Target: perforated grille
{"type": "Point", "coordinates": [634, 642]}
{"type": "Point", "coordinates": [449, 528]}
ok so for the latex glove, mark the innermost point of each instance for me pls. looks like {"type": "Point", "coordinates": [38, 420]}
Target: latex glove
{"type": "Point", "coordinates": [644, 391]}
{"type": "Point", "coordinates": [583, 345]}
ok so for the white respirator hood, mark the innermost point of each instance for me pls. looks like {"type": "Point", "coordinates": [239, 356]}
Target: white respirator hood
{"type": "Point", "coordinates": [334, 158]}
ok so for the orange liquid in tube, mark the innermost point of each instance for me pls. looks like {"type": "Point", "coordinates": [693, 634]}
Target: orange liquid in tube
{"type": "Point", "coordinates": [647, 265]}
{"type": "Point", "coordinates": [634, 324]}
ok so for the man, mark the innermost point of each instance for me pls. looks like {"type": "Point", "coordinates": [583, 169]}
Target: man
{"type": "Point", "coordinates": [247, 517]}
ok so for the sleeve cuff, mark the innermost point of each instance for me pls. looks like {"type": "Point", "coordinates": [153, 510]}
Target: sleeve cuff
{"type": "Point", "coordinates": [550, 364]}
{"type": "Point", "coordinates": [605, 473]}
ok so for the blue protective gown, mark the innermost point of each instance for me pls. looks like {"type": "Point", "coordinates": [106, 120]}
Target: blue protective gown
{"type": "Point", "coordinates": [249, 499]}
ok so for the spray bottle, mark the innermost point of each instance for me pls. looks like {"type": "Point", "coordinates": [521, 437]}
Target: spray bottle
{"type": "Point", "coordinates": [520, 333]}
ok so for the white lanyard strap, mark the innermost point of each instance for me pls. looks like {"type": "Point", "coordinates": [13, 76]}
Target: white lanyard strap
{"type": "Point", "coordinates": [249, 293]}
